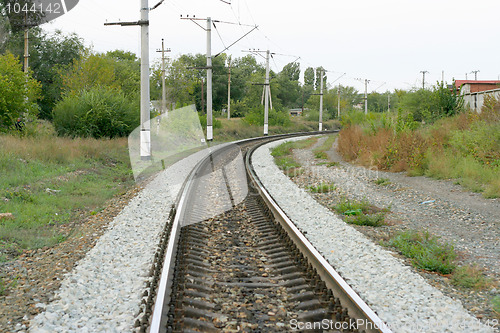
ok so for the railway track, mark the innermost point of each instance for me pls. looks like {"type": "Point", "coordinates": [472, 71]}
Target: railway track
{"type": "Point", "coordinates": [231, 261]}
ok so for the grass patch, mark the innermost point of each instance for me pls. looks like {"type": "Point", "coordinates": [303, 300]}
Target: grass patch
{"type": "Point", "coordinates": [283, 154]}
{"type": "Point", "coordinates": [332, 164]}
{"type": "Point", "coordinates": [51, 182]}
{"type": "Point", "coordinates": [322, 188]}
{"type": "Point", "coordinates": [382, 181]}
{"type": "Point", "coordinates": [425, 251]}
{"type": "Point", "coordinates": [320, 152]}
{"type": "Point", "coordinates": [470, 277]}
{"type": "Point", "coordinates": [361, 212]}
{"type": "Point", "coordinates": [495, 304]}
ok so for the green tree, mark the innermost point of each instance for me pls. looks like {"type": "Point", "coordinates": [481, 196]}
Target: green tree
{"type": "Point", "coordinates": [309, 77]}
{"type": "Point", "coordinates": [18, 91]}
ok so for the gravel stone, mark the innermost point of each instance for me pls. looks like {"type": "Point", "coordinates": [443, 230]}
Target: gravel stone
{"type": "Point", "coordinates": [103, 292]}
{"type": "Point", "coordinates": [402, 298]}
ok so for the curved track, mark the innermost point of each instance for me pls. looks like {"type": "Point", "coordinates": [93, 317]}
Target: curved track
{"type": "Point", "coordinates": [231, 260]}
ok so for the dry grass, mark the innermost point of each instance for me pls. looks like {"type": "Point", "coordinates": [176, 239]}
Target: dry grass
{"type": "Point", "coordinates": [465, 147]}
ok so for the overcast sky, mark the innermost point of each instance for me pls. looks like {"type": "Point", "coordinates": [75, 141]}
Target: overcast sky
{"type": "Point", "coordinates": [387, 41]}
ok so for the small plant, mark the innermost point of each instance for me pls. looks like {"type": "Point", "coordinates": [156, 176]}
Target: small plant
{"type": "Point", "coordinates": [321, 155]}
{"type": "Point", "coordinates": [294, 172]}
{"type": "Point", "coordinates": [332, 164]}
{"type": "Point", "coordinates": [322, 188]}
{"type": "Point", "coordinates": [371, 220]}
{"type": "Point", "coordinates": [425, 251]}
{"type": "Point", "coordinates": [495, 303]}
{"type": "Point", "coordinates": [382, 181]}
{"type": "Point", "coordinates": [470, 277]}
{"type": "Point", "coordinates": [361, 213]}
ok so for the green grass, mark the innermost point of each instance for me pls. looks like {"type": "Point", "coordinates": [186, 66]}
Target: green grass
{"type": "Point", "coordinates": [283, 153]}
{"type": "Point", "coordinates": [470, 277]}
{"type": "Point", "coordinates": [361, 212]}
{"type": "Point", "coordinates": [52, 182]}
{"type": "Point", "coordinates": [322, 188]}
{"type": "Point", "coordinates": [371, 220]}
{"type": "Point", "coordinates": [4, 285]}
{"type": "Point", "coordinates": [320, 152]}
{"type": "Point", "coordinates": [382, 181]}
{"type": "Point", "coordinates": [495, 303]}
{"type": "Point", "coordinates": [426, 251]}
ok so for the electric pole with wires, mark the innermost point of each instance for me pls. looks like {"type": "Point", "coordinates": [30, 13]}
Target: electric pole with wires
{"type": "Point", "coordinates": [163, 87]}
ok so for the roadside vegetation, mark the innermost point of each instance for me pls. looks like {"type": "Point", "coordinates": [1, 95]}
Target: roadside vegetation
{"type": "Point", "coordinates": [429, 253]}
{"type": "Point", "coordinates": [464, 146]}
{"type": "Point", "coordinates": [361, 212]}
{"type": "Point", "coordinates": [49, 184]}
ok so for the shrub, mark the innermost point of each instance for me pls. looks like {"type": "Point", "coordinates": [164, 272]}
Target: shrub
{"type": "Point", "coordinates": [99, 112]}
{"type": "Point", "coordinates": [425, 251]}
{"type": "Point", "coordinates": [275, 118]}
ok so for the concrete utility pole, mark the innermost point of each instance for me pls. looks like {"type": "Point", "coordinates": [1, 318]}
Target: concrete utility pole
{"type": "Point", "coordinates": [475, 74]}
{"type": "Point", "coordinates": [366, 95]}
{"type": "Point", "coordinates": [423, 78]}
{"type": "Point", "coordinates": [145, 138]}
{"type": "Point", "coordinates": [338, 102]}
{"type": "Point", "coordinates": [229, 90]}
{"type": "Point", "coordinates": [210, 134]}
{"type": "Point", "coordinates": [145, 98]}
{"type": "Point", "coordinates": [163, 87]}
{"type": "Point", "coordinates": [321, 101]}
{"type": "Point", "coordinates": [266, 96]}
{"type": "Point", "coordinates": [26, 41]}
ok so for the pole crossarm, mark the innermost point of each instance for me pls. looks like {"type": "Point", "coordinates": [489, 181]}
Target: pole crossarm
{"type": "Point", "coordinates": [123, 24]}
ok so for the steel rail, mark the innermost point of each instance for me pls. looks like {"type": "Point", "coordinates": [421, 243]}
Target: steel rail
{"type": "Point", "coordinates": [163, 295]}
{"type": "Point", "coordinates": [349, 299]}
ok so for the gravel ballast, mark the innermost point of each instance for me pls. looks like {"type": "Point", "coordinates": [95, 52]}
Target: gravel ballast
{"type": "Point", "coordinates": [103, 292]}
{"type": "Point", "coordinates": [403, 299]}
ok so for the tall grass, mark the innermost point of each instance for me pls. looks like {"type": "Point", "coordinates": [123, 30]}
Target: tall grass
{"type": "Point", "coordinates": [50, 181]}
{"type": "Point", "coordinates": [465, 147]}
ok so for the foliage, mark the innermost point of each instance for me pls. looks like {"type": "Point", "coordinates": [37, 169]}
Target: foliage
{"type": "Point", "coordinates": [425, 251]}
{"type": "Point", "coordinates": [495, 302]}
{"type": "Point", "coordinates": [80, 173]}
{"type": "Point", "coordinates": [322, 188]}
{"type": "Point", "coordinates": [275, 117]}
{"type": "Point", "coordinates": [18, 92]}
{"type": "Point", "coordinates": [470, 277]}
{"type": "Point", "coordinates": [360, 212]}
{"type": "Point", "coordinates": [48, 54]}
{"type": "Point", "coordinates": [100, 112]}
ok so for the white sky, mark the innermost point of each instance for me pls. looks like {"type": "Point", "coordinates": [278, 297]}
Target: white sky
{"type": "Point", "coordinates": [386, 41]}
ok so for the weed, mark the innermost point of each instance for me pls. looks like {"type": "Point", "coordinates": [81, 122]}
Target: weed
{"type": "Point", "coordinates": [470, 277]}
{"type": "Point", "coordinates": [361, 212]}
{"type": "Point", "coordinates": [371, 220]}
{"type": "Point", "coordinates": [425, 251]}
{"type": "Point", "coordinates": [495, 303]}
{"type": "Point", "coordinates": [332, 164]}
{"type": "Point", "coordinates": [322, 188]}
{"type": "Point", "coordinates": [382, 181]}
{"type": "Point", "coordinates": [321, 155]}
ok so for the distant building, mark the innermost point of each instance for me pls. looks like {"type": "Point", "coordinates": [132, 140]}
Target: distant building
{"type": "Point", "coordinates": [295, 112]}
{"type": "Point", "coordinates": [474, 92]}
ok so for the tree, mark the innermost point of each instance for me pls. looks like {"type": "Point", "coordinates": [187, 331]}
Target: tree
{"type": "Point", "coordinates": [309, 77]}
{"type": "Point", "coordinates": [291, 71]}
{"type": "Point", "coordinates": [318, 75]}
{"type": "Point", "coordinates": [18, 91]}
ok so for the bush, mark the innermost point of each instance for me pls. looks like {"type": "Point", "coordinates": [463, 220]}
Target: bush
{"type": "Point", "coordinates": [275, 118]}
{"type": "Point", "coordinates": [425, 251]}
{"type": "Point", "coordinates": [99, 112]}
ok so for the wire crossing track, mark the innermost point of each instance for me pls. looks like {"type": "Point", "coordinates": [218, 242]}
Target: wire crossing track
{"type": "Point", "coordinates": [229, 263]}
